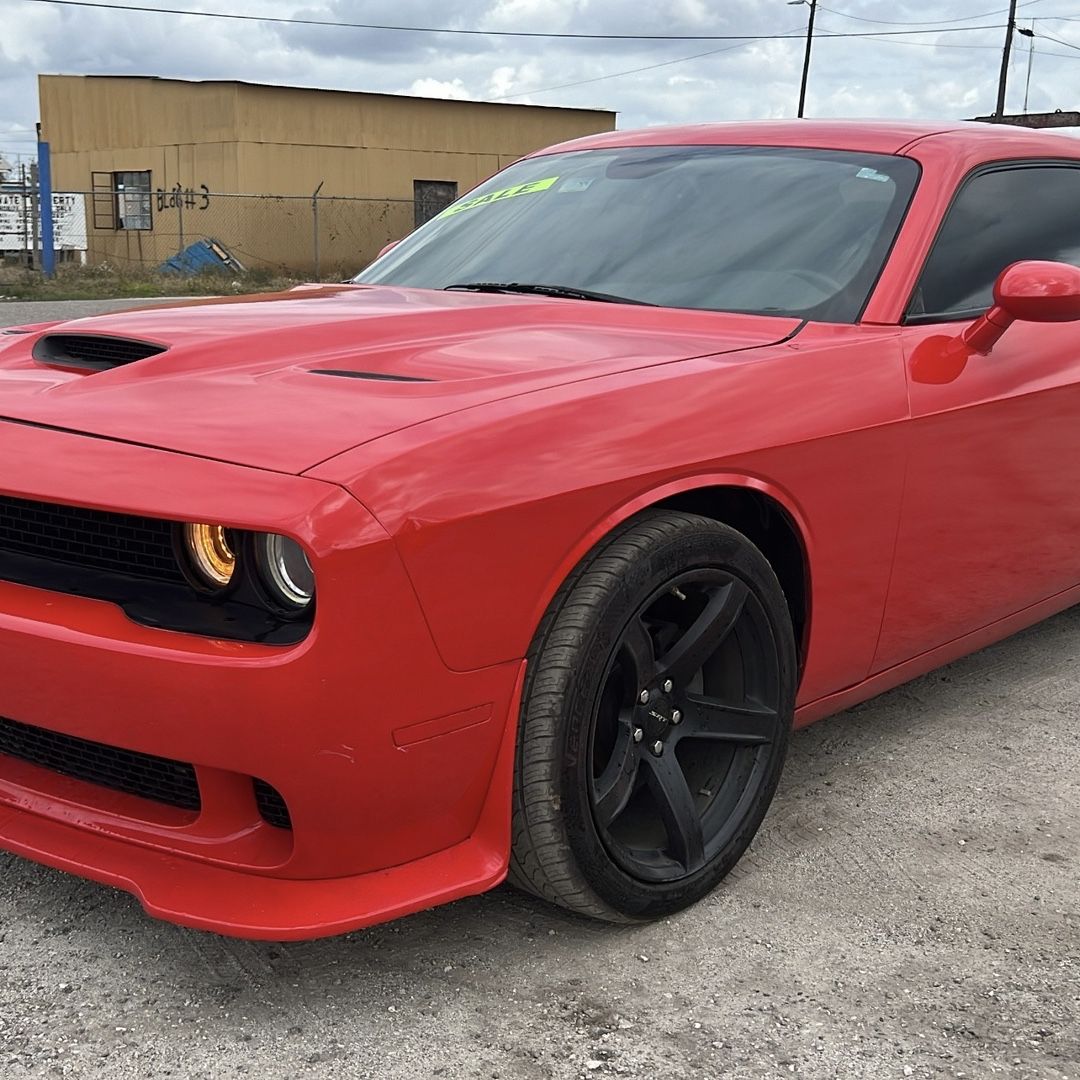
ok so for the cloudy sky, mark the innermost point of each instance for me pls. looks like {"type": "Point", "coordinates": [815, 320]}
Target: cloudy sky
{"type": "Point", "coordinates": [936, 72]}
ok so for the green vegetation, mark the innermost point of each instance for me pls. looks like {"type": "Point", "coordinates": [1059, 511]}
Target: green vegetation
{"type": "Point", "coordinates": [104, 282]}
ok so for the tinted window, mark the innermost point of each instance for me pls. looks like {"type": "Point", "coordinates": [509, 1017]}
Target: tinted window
{"type": "Point", "coordinates": [998, 218]}
{"type": "Point", "coordinates": [758, 229]}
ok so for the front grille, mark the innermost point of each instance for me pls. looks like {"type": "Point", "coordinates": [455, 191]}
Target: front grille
{"type": "Point", "coordinates": [94, 539]}
{"type": "Point", "coordinates": [94, 351]}
{"type": "Point", "coordinates": [271, 804]}
{"type": "Point", "coordinates": [160, 779]}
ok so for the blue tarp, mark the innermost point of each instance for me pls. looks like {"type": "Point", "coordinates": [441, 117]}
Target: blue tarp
{"type": "Point", "coordinates": [200, 257]}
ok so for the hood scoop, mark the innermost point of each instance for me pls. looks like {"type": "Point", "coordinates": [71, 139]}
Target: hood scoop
{"type": "Point", "coordinates": [92, 352]}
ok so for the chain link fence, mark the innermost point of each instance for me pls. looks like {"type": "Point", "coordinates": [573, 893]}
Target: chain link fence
{"type": "Point", "coordinates": [325, 238]}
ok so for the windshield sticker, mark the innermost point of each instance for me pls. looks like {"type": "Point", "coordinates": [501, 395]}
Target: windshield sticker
{"type": "Point", "coordinates": [873, 174]}
{"type": "Point", "coordinates": [576, 183]}
{"type": "Point", "coordinates": [498, 196]}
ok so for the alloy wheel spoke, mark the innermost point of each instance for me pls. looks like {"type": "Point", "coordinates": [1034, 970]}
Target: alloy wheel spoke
{"type": "Point", "coordinates": [667, 782]}
{"type": "Point", "coordinates": [708, 718]}
{"type": "Point", "coordinates": [639, 645]}
{"type": "Point", "coordinates": [706, 634]}
{"type": "Point", "coordinates": [614, 786]}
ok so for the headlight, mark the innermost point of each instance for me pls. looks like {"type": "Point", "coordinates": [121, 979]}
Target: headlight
{"type": "Point", "coordinates": [211, 554]}
{"type": "Point", "coordinates": [266, 568]}
{"type": "Point", "coordinates": [284, 571]}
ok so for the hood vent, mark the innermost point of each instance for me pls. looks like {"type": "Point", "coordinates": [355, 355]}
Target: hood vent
{"type": "Point", "coordinates": [96, 352]}
{"type": "Point", "coordinates": [374, 376]}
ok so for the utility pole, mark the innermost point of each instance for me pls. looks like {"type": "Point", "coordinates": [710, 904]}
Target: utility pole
{"type": "Point", "coordinates": [1030, 35]}
{"type": "Point", "coordinates": [812, 5]}
{"type": "Point", "coordinates": [1000, 110]}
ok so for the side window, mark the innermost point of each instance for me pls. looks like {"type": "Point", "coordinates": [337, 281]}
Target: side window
{"type": "Point", "coordinates": [998, 218]}
{"type": "Point", "coordinates": [432, 197]}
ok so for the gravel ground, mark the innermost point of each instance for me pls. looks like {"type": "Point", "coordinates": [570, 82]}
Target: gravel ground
{"type": "Point", "coordinates": [911, 907]}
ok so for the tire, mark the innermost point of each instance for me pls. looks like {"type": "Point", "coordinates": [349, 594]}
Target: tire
{"type": "Point", "coordinates": [689, 611]}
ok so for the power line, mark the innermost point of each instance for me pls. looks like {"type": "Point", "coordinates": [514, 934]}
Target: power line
{"type": "Point", "coordinates": [100, 4]}
{"type": "Point", "coordinates": [891, 33]}
{"type": "Point", "coordinates": [958, 18]}
{"type": "Point", "coordinates": [876, 33]}
{"type": "Point", "coordinates": [997, 49]}
{"type": "Point", "coordinates": [926, 22]}
{"type": "Point", "coordinates": [1057, 41]}
{"type": "Point", "coordinates": [929, 44]}
{"type": "Point", "coordinates": [631, 71]}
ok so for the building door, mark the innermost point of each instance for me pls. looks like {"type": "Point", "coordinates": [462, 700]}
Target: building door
{"type": "Point", "coordinates": [432, 197]}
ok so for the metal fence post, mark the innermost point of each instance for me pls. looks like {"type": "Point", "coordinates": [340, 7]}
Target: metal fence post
{"type": "Point", "coordinates": [26, 213]}
{"type": "Point", "coordinates": [180, 219]}
{"type": "Point", "coordinates": [35, 216]}
{"type": "Point", "coordinates": [315, 228]}
{"type": "Point", "coordinates": [45, 203]}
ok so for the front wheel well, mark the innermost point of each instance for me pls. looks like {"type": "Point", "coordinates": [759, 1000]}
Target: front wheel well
{"type": "Point", "coordinates": [769, 527]}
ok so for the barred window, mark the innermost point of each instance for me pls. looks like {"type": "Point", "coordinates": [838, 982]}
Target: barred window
{"type": "Point", "coordinates": [133, 200]}
{"type": "Point", "coordinates": [121, 200]}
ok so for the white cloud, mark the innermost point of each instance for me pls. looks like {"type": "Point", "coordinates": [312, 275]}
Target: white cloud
{"type": "Point", "coordinates": [440, 88]}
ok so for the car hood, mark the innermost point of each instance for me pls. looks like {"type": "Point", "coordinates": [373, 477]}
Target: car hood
{"type": "Point", "coordinates": [244, 379]}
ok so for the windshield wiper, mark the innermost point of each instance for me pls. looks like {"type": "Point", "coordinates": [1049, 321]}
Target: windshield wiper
{"type": "Point", "coordinates": [564, 292]}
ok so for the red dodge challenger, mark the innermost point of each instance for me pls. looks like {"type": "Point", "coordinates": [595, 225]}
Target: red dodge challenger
{"type": "Point", "coordinates": [523, 553]}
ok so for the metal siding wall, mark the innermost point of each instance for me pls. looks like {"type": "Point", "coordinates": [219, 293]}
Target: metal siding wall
{"type": "Point", "coordinates": [281, 141]}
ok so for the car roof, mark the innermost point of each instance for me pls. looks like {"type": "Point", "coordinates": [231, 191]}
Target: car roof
{"type": "Point", "coordinates": [870, 136]}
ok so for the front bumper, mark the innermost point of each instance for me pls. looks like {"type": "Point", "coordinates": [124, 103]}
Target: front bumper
{"type": "Point", "coordinates": [395, 769]}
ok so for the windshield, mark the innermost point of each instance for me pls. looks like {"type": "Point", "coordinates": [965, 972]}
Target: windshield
{"type": "Point", "coordinates": [765, 230]}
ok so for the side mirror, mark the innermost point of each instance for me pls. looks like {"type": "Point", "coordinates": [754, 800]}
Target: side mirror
{"type": "Point", "coordinates": [1032, 292]}
{"type": "Point", "coordinates": [384, 250]}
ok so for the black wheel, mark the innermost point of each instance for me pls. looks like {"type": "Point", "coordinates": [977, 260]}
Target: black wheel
{"type": "Point", "coordinates": [658, 704]}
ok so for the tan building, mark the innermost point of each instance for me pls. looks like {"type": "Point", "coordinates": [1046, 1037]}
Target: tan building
{"type": "Point", "coordinates": [165, 162]}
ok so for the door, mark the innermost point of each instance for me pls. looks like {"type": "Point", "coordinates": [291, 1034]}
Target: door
{"type": "Point", "coordinates": [431, 198]}
{"type": "Point", "coordinates": [990, 522]}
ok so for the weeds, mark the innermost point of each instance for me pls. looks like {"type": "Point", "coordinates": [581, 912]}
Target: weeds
{"type": "Point", "coordinates": [105, 282]}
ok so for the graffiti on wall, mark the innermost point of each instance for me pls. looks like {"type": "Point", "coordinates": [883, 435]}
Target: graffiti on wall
{"type": "Point", "coordinates": [182, 198]}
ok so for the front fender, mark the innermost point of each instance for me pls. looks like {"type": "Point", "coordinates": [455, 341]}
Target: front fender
{"type": "Point", "coordinates": [492, 508]}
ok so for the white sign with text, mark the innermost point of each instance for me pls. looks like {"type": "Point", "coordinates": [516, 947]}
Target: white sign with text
{"type": "Point", "coordinates": [16, 223]}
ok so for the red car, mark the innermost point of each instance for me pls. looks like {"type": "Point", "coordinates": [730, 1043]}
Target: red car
{"type": "Point", "coordinates": [524, 552]}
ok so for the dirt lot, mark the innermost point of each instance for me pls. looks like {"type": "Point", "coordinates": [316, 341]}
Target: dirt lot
{"type": "Point", "coordinates": [910, 908]}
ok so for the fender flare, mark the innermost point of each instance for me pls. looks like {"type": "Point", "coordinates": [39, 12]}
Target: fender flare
{"type": "Point", "coordinates": [650, 497]}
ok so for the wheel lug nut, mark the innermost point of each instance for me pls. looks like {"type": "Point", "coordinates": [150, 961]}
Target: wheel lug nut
{"type": "Point", "coordinates": [676, 717]}
{"type": "Point", "coordinates": [668, 686]}
{"type": "Point", "coordinates": [643, 697]}
{"type": "Point", "coordinates": [638, 734]}
{"type": "Point", "coordinates": [658, 748]}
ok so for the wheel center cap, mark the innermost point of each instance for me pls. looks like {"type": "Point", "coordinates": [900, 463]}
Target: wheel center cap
{"type": "Point", "coordinates": [655, 716]}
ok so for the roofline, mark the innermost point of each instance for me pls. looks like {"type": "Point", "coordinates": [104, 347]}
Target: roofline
{"type": "Point", "coordinates": [326, 90]}
{"type": "Point", "coordinates": [892, 137]}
